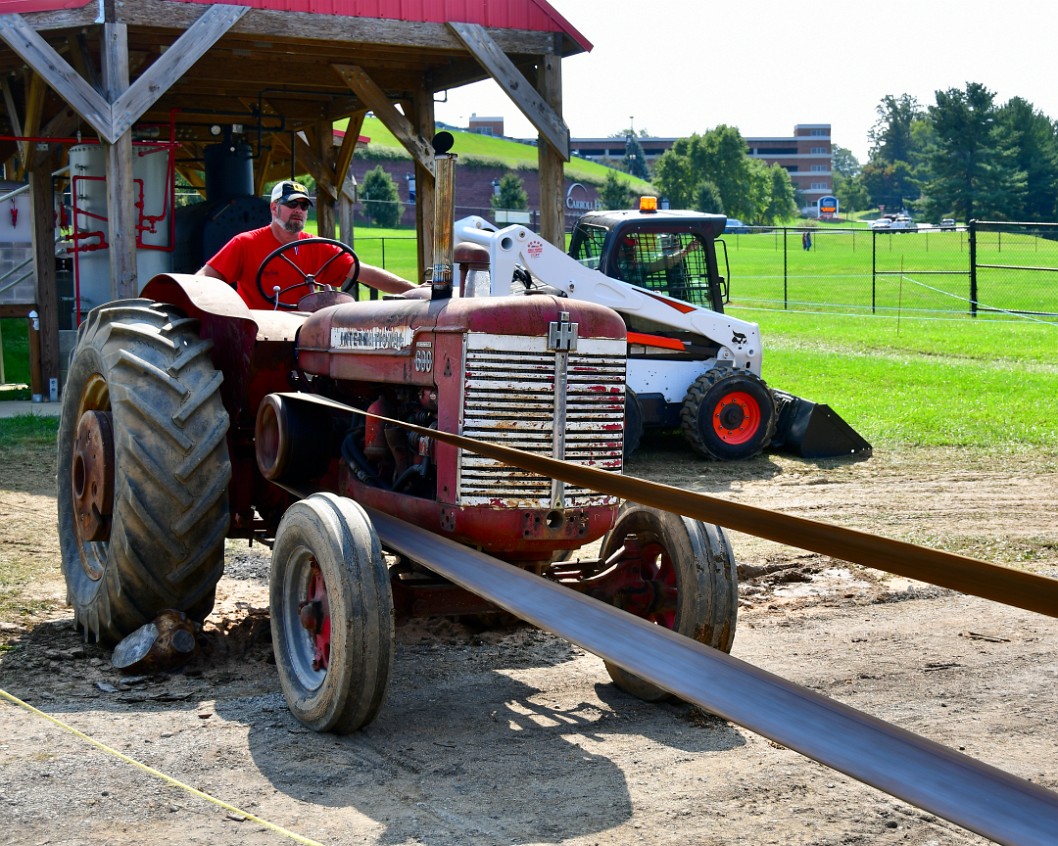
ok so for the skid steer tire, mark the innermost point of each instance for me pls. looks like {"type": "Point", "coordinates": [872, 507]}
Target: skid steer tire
{"type": "Point", "coordinates": [143, 470]}
{"type": "Point", "coordinates": [332, 614]}
{"type": "Point", "coordinates": [633, 423]}
{"type": "Point", "coordinates": [728, 415]}
{"type": "Point", "coordinates": [690, 567]}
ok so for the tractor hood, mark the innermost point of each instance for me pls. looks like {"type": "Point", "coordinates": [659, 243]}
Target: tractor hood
{"type": "Point", "coordinates": [392, 326]}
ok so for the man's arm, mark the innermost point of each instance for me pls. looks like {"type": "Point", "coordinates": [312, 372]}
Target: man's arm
{"type": "Point", "coordinates": [383, 280]}
{"type": "Point", "coordinates": [207, 270]}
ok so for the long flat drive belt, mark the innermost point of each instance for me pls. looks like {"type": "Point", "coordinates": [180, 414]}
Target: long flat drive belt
{"type": "Point", "coordinates": [945, 569]}
{"type": "Point", "coordinates": [953, 786]}
{"type": "Point", "coordinates": [958, 788]}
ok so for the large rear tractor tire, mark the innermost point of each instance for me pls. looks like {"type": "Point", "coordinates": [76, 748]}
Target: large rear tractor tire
{"type": "Point", "coordinates": [728, 415]}
{"type": "Point", "coordinates": [143, 470]}
{"type": "Point", "coordinates": [332, 614]}
{"type": "Point", "coordinates": [686, 580]}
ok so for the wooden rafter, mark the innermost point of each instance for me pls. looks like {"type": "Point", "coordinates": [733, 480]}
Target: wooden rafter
{"type": "Point", "coordinates": [525, 96]}
{"type": "Point", "coordinates": [376, 99]}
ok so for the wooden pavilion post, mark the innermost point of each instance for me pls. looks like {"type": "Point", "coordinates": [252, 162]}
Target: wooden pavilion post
{"type": "Point", "coordinates": [121, 209]}
{"type": "Point", "coordinates": [551, 161]}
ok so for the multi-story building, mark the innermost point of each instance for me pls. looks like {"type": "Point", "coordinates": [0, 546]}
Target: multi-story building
{"type": "Point", "coordinates": [807, 156]}
{"type": "Point", "coordinates": [486, 125]}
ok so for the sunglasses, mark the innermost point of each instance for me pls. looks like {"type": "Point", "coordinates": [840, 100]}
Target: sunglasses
{"type": "Point", "coordinates": [298, 204]}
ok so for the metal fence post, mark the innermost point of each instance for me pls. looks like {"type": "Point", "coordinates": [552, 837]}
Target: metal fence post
{"type": "Point", "coordinates": [973, 268]}
{"type": "Point", "coordinates": [874, 271]}
{"type": "Point", "coordinates": [785, 273]}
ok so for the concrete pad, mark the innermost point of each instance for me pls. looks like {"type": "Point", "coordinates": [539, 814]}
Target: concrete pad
{"type": "Point", "coordinates": [15, 408]}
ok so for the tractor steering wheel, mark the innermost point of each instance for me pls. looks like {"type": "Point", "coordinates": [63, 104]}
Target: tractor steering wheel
{"type": "Point", "coordinates": [308, 280]}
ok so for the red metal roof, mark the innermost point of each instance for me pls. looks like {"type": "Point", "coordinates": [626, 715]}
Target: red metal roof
{"type": "Point", "coordinates": [533, 15]}
{"type": "Point", "coordinates": [11, 7]}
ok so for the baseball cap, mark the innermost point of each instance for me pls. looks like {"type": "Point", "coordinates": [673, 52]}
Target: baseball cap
{"type": "Point", "coordinates": [288, 190]}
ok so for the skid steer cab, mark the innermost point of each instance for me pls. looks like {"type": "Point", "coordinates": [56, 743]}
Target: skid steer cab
{"type": "Point", "coordinates": [691, 367]}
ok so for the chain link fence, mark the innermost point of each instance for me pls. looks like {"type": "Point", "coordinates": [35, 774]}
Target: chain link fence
{"type": "Point", "coordinates": [987, 269]}
{"type": "Point", "coordinates": [1014, 268]}
{"type": "Point", "coordinates": [984, 269]}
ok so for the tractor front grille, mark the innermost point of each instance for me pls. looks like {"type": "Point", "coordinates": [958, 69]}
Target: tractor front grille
{"type": "Point", "coordinates": [510, 398]}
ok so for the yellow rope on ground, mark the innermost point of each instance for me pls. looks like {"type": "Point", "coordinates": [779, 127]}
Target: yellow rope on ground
{"type": "Point", "coordinates": [157, 774]}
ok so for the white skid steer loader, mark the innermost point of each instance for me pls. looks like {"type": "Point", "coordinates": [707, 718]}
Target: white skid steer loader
{"type": "Point", "coordinates": [690, 365]}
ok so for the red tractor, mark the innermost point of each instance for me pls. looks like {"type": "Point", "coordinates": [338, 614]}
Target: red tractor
{"type": "Point", "coordinates": [188, 419]}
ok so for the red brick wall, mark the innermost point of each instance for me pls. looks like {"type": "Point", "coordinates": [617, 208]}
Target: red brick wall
{"type": "Point", "coordinates": [474, 188]}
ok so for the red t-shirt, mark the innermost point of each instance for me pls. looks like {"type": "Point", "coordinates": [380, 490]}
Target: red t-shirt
{"type": "Point", "coordinates": [239, 260]}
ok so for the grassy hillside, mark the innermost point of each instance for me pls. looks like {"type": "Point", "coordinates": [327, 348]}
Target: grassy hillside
{"type": "Point", "coordinates": [470, 146]}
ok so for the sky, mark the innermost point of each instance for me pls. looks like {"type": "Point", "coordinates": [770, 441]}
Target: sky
{"type": "Point", "coordinates": [677, 67]}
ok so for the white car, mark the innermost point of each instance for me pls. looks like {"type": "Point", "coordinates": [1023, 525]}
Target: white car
{"type": "Point", "coordinates": [895, 223]}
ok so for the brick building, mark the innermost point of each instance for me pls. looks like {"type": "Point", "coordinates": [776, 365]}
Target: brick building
{"type": "Point", "coordinates": [475, 185]}
{"type": "Point", "coordinates": [486, 125]}
{"type": "Point", "coordinates": [807, 156]}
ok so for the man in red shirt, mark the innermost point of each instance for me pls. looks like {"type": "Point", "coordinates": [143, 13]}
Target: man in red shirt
{"type": "Point", "coordinates": [238, 261]}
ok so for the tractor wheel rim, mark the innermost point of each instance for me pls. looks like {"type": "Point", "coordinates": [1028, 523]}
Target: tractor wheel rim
{"type": "Point", "coordinates": [315, 616]}
{"type": "Point", "coordinates": [736, 418]}
{"type": "Point", "coordinates": [92, 482]}
{"type": "Point", "coordinates": [93, 461]}
{"type": "Point", "coordinates": [658, 570]}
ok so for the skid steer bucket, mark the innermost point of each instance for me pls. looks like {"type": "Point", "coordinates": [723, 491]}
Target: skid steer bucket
{"type": "Point", "coordinates": [814, 430]}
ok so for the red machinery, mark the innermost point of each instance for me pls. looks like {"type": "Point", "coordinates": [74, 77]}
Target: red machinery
{"type": "Point", "coordinates": [188, 418]}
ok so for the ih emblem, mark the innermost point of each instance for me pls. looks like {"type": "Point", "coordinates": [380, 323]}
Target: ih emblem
{"type": "Point", "coordinates": [561, 334]}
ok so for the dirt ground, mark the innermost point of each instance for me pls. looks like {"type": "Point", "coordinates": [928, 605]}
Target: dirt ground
{"type": "Point", "coordinates": [516, 737]}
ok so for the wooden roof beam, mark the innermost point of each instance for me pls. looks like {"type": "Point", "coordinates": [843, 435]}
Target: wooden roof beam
{"type": "Point", "coordinates": [64, 80]}
{"type": "Point", "coordinates": [525, 96]}
{"type": "Point", "coordinates": [111, 121]}
{"type": "Point", "coordinates": [377, 101]}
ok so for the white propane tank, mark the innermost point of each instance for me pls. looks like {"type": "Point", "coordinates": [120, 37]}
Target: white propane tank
{"type": "Point", "coordinates": [150, 173]}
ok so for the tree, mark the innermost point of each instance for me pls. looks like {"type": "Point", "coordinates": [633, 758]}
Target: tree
{"type": "Point", "coordinates": [848, 180]}
{"type": "Point", "coordinates": [380, 199]}
{"type": "Point", "coordinates": [891, 137]}
{"type": "Point", "coordinates": [675, 175]}
{"type": "Point", "coordinates": [707, 198]}
{"type": "Point", "coordinates": [714, 173]}
{"type": "Point", "coordinates": [635, 161]}
{"type": "Point", "coordinates": [720, 157]}
{"type": "Point", "coordinates": [779, 203]}
{"type": "Point", "coordinates": [511, 194]}
{"type": "Point", "coordinates": [615, 193]}
{"type": "Point", "coordinates": [851, 193]}
{"type": "Point", "coordinates": [972, 168]}
{"type": "Point", "coordinates": [1035, 145]}
{"type": "Point", "coordinates": [890, 185]}
{"type": "Point", "coordinates": [844, 163]}
{"type": "Point", "coordinates": [890, 173]}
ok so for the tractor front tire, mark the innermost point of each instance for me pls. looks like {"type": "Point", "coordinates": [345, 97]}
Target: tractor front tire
{"type": "Point", "coordinates": [690, 570]}
{"type": "Point", "coordinates": [728, 415]}
{"type": "Point", "coordinates": [143, 470]}
{"type": "Point", "coordinates": [332, 614]}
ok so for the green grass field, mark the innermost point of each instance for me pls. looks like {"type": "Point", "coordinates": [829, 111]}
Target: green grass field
{"type": "Point", "coordinates": [915, 371]}
{"type": "Point", "coordinates": [985, 384]}
{"type": "Point", "coordinates": [881, 331]}
{"type": "Point", "coordinates": [14, 345]}
{"type": "Point", "coordinates": [924, 273]}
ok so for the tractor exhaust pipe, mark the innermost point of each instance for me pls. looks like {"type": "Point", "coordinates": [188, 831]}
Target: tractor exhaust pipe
{"type": "Point", "coordinates": [444, 216]}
